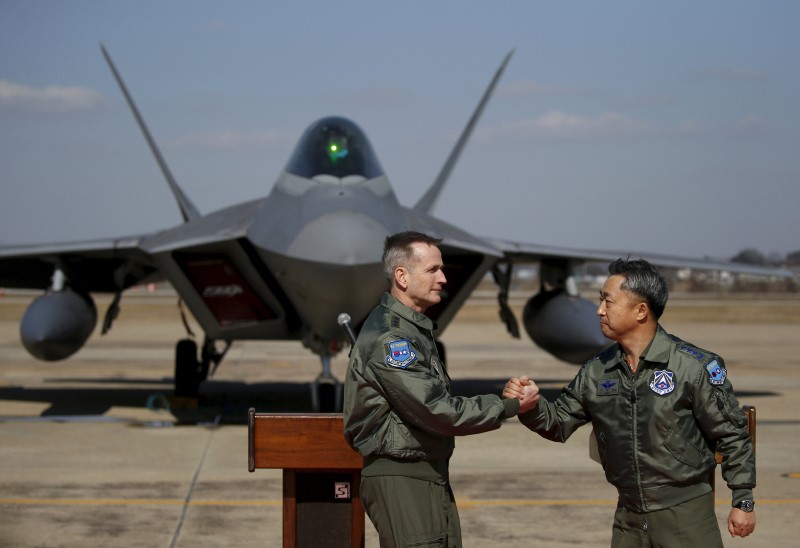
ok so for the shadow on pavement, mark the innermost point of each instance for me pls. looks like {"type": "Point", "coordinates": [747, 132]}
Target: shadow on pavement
{"type": "Point", "coordinates": [221, 401]}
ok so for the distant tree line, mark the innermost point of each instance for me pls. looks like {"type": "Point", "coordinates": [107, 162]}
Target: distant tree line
{"type": "Point", "coordinates": [755, 257]}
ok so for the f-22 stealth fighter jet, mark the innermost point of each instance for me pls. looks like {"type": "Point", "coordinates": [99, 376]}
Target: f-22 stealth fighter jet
{"type": "Point", "coordinates": [287, 265]}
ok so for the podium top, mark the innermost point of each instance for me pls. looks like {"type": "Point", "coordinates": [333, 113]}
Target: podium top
{"type": "Point", "coordinates": [299, 441]}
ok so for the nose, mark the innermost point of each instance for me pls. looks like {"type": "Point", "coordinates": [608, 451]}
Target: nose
{"type": "Point", "coordinates": [601, 310]}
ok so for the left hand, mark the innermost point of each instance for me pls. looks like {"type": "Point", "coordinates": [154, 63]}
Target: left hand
{"type": "Point", "coordinates": [741, 523]}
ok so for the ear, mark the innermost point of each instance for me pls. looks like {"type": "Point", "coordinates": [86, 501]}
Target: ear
{"type": "Point", "coordinates": [642, 311]}
{"type": "Point", "coordinates": [401, 277]}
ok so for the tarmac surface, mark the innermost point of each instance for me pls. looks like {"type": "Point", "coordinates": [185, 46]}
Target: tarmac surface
{"type": "Point", "coordinates": [94, 451]}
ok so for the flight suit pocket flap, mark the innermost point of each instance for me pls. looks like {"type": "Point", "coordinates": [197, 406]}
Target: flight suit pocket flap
{"type": "Point", "coordinates": [682, 449]}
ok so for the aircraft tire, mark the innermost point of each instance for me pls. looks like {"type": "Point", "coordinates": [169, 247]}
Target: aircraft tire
{"type": "Point", "coordinates": [187, 369]}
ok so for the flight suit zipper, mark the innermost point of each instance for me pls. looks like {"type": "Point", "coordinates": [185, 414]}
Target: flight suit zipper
{"type": "Point", "coordinates": [635, 431]}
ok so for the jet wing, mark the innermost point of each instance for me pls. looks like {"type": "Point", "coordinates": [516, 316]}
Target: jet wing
{"type": "Point", "coordinates": [109, 265]}
{"type": "Point", "coordinates": [102, 265]}
{"type": "Point", "coordinates": [517, 252]}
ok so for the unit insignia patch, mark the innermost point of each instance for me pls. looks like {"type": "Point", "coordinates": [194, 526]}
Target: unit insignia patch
{"type": "Point", "coordinates": [400, 354]}
{"type": "Point", "coordinates": [716, 373]}
{"type": "Point", "coordinates": [663, 382]}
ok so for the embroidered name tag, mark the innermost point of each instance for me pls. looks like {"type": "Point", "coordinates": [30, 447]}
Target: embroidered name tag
{"type": "Point", "coordinates": [400, 354]}
{"type": "Point", "coordinates": [663, 382]}
{"type": "Point", "coordinates": [716, 373]}
{"type": "Point", "coordinates": [607, 387]}
{"type": "Point", "coordinates": [691, 351]}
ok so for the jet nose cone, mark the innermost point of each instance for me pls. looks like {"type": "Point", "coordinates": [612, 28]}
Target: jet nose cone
{"type": "Point", "coordinates": [344, 237]}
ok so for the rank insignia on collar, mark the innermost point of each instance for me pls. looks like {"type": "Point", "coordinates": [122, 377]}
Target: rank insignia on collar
{"type": "Point", "coordinates": [607, 387]}
{"type": "Point", "coordinates": [663, 382]}
{"type": "Point", "coordinates": [716, 373]}
{"type": "Point", "coordinates": [400, 354]}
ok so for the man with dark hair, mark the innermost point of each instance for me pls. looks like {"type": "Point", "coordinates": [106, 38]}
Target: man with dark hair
{"type": "Point", "coordinates": [660, 408]}
{"type": "Point", "coordinates": [398, 409]}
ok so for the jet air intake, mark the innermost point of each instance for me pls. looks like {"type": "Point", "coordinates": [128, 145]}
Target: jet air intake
{"type": "Point", "coordinates": [564, 325]}
{"type": "Point", "coordinates": [57, 324]}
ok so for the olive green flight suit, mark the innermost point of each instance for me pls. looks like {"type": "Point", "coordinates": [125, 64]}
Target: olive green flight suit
{"type": "Point", "coordinates": [400, 415]}
{"type": "Point", "coordinates": [657, 430]}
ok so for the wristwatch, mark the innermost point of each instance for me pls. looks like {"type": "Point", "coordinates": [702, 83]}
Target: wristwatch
{"type": "Point", "coordinates": [746, 506]}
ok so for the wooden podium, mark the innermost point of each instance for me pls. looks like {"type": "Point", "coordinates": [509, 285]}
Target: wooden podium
{"type": "Point", "coordinates": [321, 477]}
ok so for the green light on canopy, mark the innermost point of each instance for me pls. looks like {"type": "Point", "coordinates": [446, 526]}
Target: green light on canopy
{"type": "Point", "coordinates": [336, 152]}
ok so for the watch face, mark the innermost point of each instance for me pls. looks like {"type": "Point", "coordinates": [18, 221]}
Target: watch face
{"type": "Point", "coordinates": [746, 505]}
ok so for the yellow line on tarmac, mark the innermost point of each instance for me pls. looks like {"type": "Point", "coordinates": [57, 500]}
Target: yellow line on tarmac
{"type": "Point", "coordinates": [588, 502]}
{"type": "Point", "coordinates": [776, 501]}
{"type": "Point", "coordinates": [138, 502]}
{"type": "Point", "coordinates": [463, 503]}
{"type": "Point", "coordinates": [542, 502]}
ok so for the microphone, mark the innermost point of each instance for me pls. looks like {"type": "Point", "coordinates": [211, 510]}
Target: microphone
{"type": "Point", "coordinates": [344, 321]}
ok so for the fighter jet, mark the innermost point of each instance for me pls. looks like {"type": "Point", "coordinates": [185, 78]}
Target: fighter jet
{"type": "Point", "coordinates": [284, 267]}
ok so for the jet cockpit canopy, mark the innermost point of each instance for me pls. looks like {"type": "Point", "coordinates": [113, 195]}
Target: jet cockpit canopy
{"type": "Point", "coordinates": [334, 146]}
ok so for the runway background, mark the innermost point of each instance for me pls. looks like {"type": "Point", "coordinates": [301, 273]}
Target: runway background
{"type": "Point", "coordinates": [90, 455]}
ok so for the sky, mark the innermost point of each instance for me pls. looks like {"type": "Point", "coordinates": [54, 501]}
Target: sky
{"type": "Point", "coordinates": [667, 127]}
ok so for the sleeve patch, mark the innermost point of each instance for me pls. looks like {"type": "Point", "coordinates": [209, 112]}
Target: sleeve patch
{"type": "Point", "coordinates": [716, 373]}
{"type": "Point", "coordinates": [400, 354]}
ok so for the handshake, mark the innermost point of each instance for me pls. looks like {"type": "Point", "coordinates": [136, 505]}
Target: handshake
{"type": "Point", "coordinates": [523, 389]}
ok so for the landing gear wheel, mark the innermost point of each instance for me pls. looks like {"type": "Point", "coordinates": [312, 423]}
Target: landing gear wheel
{"type": "Point", "coordinates": [187, 369]}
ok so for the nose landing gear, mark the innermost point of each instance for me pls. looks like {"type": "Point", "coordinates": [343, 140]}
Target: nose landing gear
{"type": "Point", "coordinates": [326, 390]}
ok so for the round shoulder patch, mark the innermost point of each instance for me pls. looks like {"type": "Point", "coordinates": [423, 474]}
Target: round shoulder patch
{"type": "Point", "coordinates": [400, 354]}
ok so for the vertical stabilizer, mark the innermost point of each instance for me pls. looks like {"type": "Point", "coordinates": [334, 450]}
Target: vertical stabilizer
{"type": "Point", "coordinates": [428, 200]}
{"type": "Point", "coordinates": [188, 210]}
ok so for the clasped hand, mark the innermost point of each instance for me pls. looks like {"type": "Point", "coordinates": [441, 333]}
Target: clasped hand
{"type": "Point", "coordinates": [523, 389]}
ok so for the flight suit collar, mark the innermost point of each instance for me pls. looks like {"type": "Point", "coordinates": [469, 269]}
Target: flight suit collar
{"type": "Point", "coordinates": [656, 352]}
{"type": "Point", "coordinates": [402, 310]}
{"type": "Point", "coordinates": [660, 347]}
